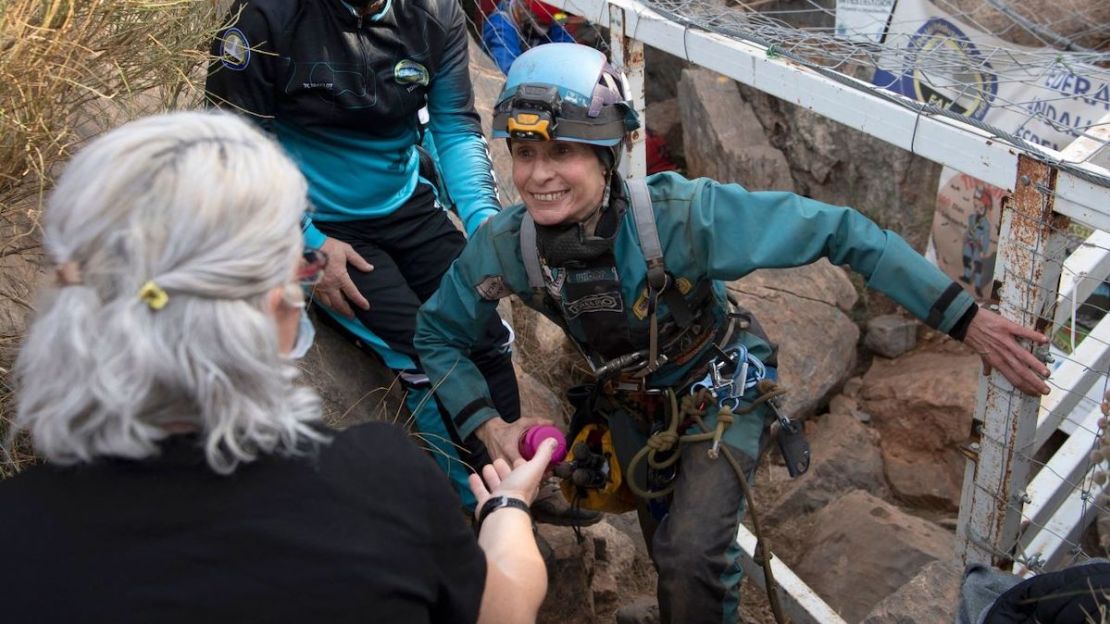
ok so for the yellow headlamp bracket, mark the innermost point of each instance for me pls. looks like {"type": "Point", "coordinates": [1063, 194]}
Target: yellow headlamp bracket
{"type": "Point", "coordinates": [531, 126]}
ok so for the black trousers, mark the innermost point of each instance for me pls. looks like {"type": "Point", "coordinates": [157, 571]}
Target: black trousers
{"type": "Point", "coordinates": [410, 250]}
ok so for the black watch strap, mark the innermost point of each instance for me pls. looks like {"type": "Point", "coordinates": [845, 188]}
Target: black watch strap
{"type": "Point", "coordinates": [500, 502]}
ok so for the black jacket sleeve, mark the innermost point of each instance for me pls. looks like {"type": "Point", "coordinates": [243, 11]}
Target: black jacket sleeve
{"type": "Point", "coordinates": [244, 63]}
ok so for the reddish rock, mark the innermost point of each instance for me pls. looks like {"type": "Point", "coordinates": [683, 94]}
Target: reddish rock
{"type": "Point", "coordinates": [845, 458]}
{"type": "Point", "coordinates": [862, 549]}
{"type": "Point", "coordinates": [931, 596]}
{"type": "Point", "coordinates": [591, 580]}
{"type": "Point", "coordinates": [537, 400]}
{"type": "Point", "coordinates": [921, 404]}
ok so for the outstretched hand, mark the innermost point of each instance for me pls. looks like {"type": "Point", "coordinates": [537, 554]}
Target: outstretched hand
{"type": "Point", "coordinates": [521, 481]}
{"type": "Point", "coordinates": [996, 340]}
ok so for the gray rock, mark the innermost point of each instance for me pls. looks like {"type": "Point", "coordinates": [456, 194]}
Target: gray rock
{"type": "Point", "coordinates": [846, 458]}
{"type": "Point", "coordinates": [931, 596]}
{"type": "Point", "coordinates": [642, 611]}
{"type": "Point", "coordinates": [862, 549]}
{"type": "Point", "coordinates": [803, 312]}
{"type": "Point", "coordinates": [891, 335]}
{"type": "Point", "coordinates": [353, 385]}
{"type": "Point", "coordinates": [722, 136]}
{"type": "Point", "coordinates": [592, 579]}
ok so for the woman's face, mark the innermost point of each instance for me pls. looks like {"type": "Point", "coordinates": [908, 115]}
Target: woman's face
{"type": "Point", "coordinates": [560, 182]}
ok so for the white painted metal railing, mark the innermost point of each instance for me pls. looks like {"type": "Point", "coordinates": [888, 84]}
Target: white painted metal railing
{"type": "Point", "coordinates": [1006, 517]}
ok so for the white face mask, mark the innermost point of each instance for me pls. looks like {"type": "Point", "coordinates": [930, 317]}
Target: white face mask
{"type": "Point", "coordinates": [306, 335]}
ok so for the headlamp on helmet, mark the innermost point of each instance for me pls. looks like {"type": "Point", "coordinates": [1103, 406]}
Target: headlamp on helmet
{"type": "Point", "coordinates": [564, 92]}
{"type": "Point", "coordinates": [533, 113]}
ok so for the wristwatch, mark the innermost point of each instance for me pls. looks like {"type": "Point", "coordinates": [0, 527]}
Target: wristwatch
{"type": "Point", "coordinates": [501, 502]}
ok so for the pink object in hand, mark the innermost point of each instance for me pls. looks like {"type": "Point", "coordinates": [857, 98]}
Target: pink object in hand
{"type": "Point", "coordinates": [530, 442]}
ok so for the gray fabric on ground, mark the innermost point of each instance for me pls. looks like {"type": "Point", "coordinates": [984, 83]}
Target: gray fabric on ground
{"type": "Point", "coordinates": [982, 585]}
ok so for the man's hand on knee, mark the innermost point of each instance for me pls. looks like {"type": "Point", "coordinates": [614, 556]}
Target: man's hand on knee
{"type": "Point", "coordinates": [336, 290]}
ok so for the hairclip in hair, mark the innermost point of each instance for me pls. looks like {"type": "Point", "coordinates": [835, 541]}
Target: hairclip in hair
{"type": "Point", "coordinates": [67, 274]}
{"type": "Point", "coordinates": [153, 296]}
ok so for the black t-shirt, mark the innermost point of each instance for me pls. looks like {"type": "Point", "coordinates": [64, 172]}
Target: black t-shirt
{"type": "Point", "coordinates": [365, 530]}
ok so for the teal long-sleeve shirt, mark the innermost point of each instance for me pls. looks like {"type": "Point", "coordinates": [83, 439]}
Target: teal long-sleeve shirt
{"type": "Point", "coordinates": [721, 232]}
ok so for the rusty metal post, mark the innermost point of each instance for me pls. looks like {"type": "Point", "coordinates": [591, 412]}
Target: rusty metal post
{"type": "Point", "coordinates": [628, 56]}
{"type": "Point", "coordinates": [1030, 250]}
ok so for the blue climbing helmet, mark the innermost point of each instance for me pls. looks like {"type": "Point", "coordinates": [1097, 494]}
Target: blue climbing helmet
{"type": "Point", "coordinates": [564, 92]}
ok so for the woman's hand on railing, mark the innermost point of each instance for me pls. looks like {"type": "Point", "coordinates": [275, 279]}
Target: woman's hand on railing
{"type": "Point", "coordinates": [997, 341]}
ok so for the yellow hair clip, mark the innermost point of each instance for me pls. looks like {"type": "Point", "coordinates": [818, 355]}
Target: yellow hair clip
{"type": "Point", "coordinates": [153, 295]}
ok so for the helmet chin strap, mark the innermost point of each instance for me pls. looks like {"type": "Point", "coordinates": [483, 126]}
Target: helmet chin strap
{"type": "Point", "coordinates": [578, 241]}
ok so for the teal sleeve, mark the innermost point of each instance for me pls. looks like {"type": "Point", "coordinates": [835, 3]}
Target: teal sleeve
{"type": "Point", "coordinates": [467, 171]}
{"type": "Point", "coordinates": [313, 238]}
{"type": "Point", "coordinates": [737, 232]}
{"type": "Point", "coordinates": [448, 325]}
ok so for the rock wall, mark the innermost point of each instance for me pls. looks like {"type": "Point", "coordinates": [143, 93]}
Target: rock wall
{"type": "Point", "coordinates": [737, 134]}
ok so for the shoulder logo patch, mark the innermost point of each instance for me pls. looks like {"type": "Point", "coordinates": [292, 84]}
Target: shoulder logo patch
{"type": "Point", "coordinates": [235, 51]}
{"type": "Point", "coordinates": [493, 287]}
{"type": "Point", "coordinates": [410, 73]}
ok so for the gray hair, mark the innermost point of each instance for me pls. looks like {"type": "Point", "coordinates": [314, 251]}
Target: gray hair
{"type": "Point", "coordinates": [208, 208]}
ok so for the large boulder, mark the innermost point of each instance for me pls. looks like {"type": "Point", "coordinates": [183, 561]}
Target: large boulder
{"type": "Point", "coordinates": [536, 399]}
{"type": "Point", "coordinates": [862, 549]}
{"type": "Point", "coordinates": [845, 458]}
{"type": "Point", "coordinates": [733, 133]}
{"type": "Point", "coordinates": [921, 404]}
{"type": "Point", "coordinates": [931, 596]}
{"type": "Point", "coordinates": [593, 578]}
{"type": "Point", "coordinates": [838, 165]}
{"type": "Point", "coordinates": [353, 385]}
{"type": "Point", "coordinates": [722, 136]}
{"type": "Point", "coordinates": [804, 311]}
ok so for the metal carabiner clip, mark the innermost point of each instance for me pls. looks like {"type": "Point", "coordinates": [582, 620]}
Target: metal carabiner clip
{"type": "Point", "coordinates": [706, 383]}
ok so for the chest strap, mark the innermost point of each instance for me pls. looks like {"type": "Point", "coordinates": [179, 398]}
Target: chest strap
{"type": "Point", "coordinates": [643, 216]}
{"type": "Point", "coordinates": [530, 254]}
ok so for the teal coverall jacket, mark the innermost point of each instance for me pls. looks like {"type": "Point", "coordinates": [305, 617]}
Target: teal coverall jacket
{"type": "Point", "coordinates": [707, 230]}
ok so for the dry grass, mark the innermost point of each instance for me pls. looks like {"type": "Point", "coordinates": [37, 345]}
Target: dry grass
{"type": "Point", "coordinates": [70, 69]}
{"type": "Point", "coordinates": [67, 65]}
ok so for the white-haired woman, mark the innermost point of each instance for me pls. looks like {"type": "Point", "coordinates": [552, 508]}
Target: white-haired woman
{"type": "Point", "coordinates": [186, 475]}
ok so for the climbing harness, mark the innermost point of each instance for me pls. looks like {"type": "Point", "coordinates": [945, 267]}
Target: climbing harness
{"type": "Point", "coordinates": [661, 286]}
{"type": "Point", "coordinates": [731, 374]}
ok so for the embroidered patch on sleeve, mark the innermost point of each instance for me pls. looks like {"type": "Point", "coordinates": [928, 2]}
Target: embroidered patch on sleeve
{"type": "Point", "coordinates": [493, 287]}
{"type": "Point", "coordinates": [235, 53]}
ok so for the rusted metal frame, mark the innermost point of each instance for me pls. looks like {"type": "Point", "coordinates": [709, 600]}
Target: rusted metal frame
{"type": "Point", "coordinates": [628, 56]}
{"type": "Point", "coordinates": [1030, 245]}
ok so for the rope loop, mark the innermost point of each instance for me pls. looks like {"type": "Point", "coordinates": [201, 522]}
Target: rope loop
{"type": "Point", "coordinates": [663, 441]}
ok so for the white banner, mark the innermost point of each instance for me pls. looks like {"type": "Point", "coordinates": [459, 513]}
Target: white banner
{"type": "Point", "coordinates": [862, 20]}
{"type": "Point", "coordinates": [948, 63]}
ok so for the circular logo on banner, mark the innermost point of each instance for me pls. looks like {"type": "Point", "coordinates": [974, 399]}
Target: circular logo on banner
{"type": "Point", "coordinates": [236, 50]}
{"type": "Point", "coordinates": [948, 71]}
{"type": "Point", "coordinates": [408, 72]}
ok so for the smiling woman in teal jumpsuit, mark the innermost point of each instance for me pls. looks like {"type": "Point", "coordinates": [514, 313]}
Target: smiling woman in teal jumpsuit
{"type": "Point", "coordinates": [565, 114]}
